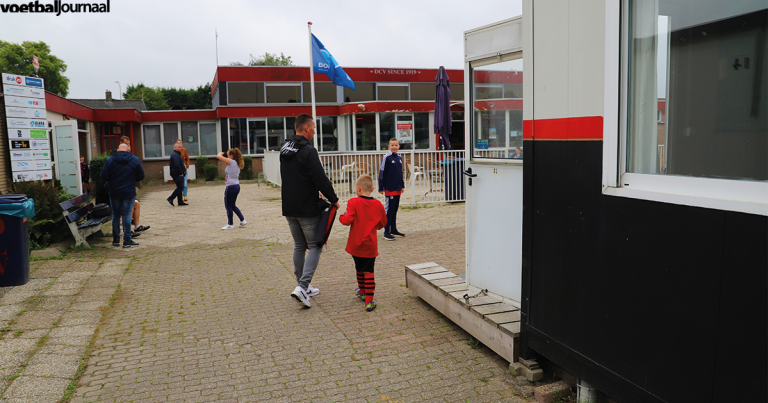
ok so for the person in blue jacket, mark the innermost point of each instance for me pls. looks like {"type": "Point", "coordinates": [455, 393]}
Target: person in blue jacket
{"type": "Point", "coordinates": [178, 170]}
{"type": "Point", "coordinates": [122, 170]}
{"type": "Point", "coordinates": [392, 185]}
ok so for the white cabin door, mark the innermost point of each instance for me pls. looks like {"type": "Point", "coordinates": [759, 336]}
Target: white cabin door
{"type": "Point", "coordinates": [68, 156]}
{"type": "Point", "coordinates": [494, 164]}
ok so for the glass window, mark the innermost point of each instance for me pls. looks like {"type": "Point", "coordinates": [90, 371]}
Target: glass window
{"type": "Point", "coordinates": [152, 146]}
{"type": "Point", "coordinates": [421, 130]}
{"type": "Point", "coordinates": [489, 91]}
{"type": "Point", "coordinates": [275, 133]}
{"type": "Point", "coordinates": [393, 92]}
{"type": "Point", "coordinates": [190, 137]}
{"type": "Point", "coordinates": [513, 91]}
{"type": "Point", "coordinates": [208, 138]}
{"type": "Point", "coordinates": [423, 92]}
{"type": "Point", "coordinates": [170, 135]}
{"type": "Point", "coordinates": [365, 132]}
{"type": "Point", "coordinates": [238, 135]}
{"type": "Point", "coordinates": [257, 136]}
{"type": "Point", "coordinates": [245, 93]}
{"type": "Point", "coordinates": [330, 141]}
{"type": "Point", "coordinates": [497, 130]}
{"type": "Point", "coordinates": [82, 124]}
{"type": "Point", "coordinates": [283, 94]}
{"type": "Point", "coordinates": [364, 92]}
{"type": "Point", "coordinates": [387, 125]}
{"type": "Point", "coordinates": [697, 64]}
{"type": "Point", "coordinates": [457, 92]}
{"type": "Point", "coordinates": [324, 92]}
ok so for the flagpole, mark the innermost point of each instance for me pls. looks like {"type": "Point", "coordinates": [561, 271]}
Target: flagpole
{"type": "Point", "coordinates": [312, 78]}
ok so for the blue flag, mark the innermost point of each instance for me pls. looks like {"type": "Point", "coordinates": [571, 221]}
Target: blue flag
{"type": "Point", "coordinates": [325, 63]}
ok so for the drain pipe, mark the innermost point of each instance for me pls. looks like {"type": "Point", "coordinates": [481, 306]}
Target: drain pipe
{"type": "Point", "coordinates": [586, 392]}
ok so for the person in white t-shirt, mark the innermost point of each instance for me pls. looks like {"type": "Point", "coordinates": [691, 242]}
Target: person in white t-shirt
{"type": "Point", "coordinates": [235, 163]}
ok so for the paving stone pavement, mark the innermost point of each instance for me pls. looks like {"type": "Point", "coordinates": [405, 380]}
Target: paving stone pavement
{"type": "Point", "coordinates": [205, 315]}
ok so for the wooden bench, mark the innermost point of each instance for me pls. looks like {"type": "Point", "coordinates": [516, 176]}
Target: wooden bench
{"type": "Point", "coordinates": [81, 206]}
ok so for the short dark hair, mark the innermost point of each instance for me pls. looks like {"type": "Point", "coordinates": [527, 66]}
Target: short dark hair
{"type": "Point", "coordinates": [301, 121]}
{"type": "Point", "coordinates": [124, 139]}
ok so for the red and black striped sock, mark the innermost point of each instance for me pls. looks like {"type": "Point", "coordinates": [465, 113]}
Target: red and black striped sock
{"type": "Point", "coordinates": [370, 287]}
{"type": "Point", "coordinates": [361, 282]}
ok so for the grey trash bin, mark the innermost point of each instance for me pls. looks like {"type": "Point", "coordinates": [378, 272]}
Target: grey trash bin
{"type": "Point", "coordinates": [14, 239]}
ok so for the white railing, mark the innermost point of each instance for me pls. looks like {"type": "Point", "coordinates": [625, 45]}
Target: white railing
{"type": "Point", "coordinates": [429, 176]}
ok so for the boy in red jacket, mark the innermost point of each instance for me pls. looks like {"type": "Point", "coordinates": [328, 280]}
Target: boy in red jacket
{"type": "Point", "coordinates": [366, 215]}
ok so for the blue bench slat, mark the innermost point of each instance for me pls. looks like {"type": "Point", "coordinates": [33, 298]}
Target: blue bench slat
{"type": "Point", "coordinates": [83, 198]}
{"type": "Point", "coordinates": [94, 221]}
{"type": "Point", "coordinates": [75, 215]}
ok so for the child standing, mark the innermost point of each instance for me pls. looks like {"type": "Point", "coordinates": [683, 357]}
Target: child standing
{"type": "Point", "coordinates": [235, 163]}
{"type": "Point", "coordinates": [392, 185]}
{"type": "Point", "coordinates": [366, 216]}
{"type": "Point", "coordinates": [85, 175]}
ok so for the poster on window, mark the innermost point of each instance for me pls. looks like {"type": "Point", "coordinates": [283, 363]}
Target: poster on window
{"type": "Point", "coordinates": [405, 132]}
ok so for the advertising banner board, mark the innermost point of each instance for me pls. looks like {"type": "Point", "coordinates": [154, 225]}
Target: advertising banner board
{"type": "Point", "coordinates": [26, 176]}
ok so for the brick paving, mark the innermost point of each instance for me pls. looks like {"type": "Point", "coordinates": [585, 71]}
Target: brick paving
{"type": "Point", "coordinates": [205, 315]}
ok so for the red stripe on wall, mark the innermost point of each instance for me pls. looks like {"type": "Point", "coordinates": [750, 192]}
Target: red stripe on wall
{"type": "Point", "coordinates": [581, 128]}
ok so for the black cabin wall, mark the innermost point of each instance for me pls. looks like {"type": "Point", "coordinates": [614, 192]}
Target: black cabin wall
{"type": "Point", "coordinates": [644, 299]}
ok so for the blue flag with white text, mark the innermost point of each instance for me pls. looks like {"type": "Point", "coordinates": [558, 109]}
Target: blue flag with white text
{"type": "Point", "coordinates": [325, 63]}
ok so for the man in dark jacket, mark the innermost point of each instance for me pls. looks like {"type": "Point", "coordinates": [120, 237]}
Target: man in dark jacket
{"type": "Point", "coordinates": [122, 170]}
{"type": "Point", "coordinates": [303, 177]}
{"type": "Point", "coordinates": [178, 170]}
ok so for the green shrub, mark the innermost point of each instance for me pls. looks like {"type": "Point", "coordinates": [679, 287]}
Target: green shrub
{"type": "Point", "coordinates": [48, 225]}
{"type": "Point", "coordinates": [210, 172]}
{"type": "Point", "coordinates": [200, 163]}
{"type": "Point", "coordinates": [247, 171]}
{"type": "Point", "coordinates": [97, 164]}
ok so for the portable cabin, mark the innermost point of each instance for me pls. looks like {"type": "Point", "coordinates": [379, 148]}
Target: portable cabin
{"type": "Point", "coordinates": [633, 233]}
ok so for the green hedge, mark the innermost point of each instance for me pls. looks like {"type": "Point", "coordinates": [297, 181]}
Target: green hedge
{"type": "Point", "coordinates": [48, 225]}
{"type": "Point", "coordinates": [247, 171]}
{"type": "Point", "coordinates": [210, 172]}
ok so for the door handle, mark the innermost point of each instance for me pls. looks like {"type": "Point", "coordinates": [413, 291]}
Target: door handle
{"type": "Point", "coordinates": [469, 173]}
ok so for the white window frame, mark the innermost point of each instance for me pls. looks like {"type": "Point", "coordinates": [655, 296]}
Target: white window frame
{"type": "Point", "coordinates": [743, 196]}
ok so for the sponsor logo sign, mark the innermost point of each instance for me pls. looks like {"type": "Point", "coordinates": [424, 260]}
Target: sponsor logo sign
{"type": "Point", "coordinates": [13, 79]}
{"type": "Point", "coordinates": [25, 102]}
{"type": "Point", "coordinates": [13, 90]}
{"type": "Point", "coordinates": [39, 144]}
{"type": "Point", "coordinates": [27, 123]}
{"type": "Point", "coordinates": [26, 176]}
{"type": "Point", "coordinates": [31, 165]}
{"type": "Point", "coordinates": [15, 112]}
{"type": "Point", "coordinates": [19, 144]}
{"type": "Point", "coordinates": [28, 134]}
{"type": "Point", "coordinates": [30, 155]}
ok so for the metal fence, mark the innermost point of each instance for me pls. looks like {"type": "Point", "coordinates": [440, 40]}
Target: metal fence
{"type": "Point", "coordinates": [429, 176]}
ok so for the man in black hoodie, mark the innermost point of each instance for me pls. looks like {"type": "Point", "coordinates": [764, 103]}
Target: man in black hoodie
{"type": "Point", "coordinates": [178, 169]}
{"type": "Point", "coordinates": [303, 177]}
{"type": "Point", "coordinates": [122, 170]}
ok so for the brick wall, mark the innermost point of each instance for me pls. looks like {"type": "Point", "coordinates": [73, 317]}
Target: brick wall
{"type": "Point", "coordinates": [5, 154]}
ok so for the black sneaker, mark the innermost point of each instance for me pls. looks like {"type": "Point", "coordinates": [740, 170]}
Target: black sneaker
{"type": "Point", "coordinates": [183, 204]}
{"type": "Point", "coordinates": [142, 228]}
{"type": "Point", "coordinates": [134, 234]}
{"type": "Point", "coordinates": [170, 201]}
{"type": "Point", "coordinates": [395, 233]}
{"type": "Point", "coordinates": [389, 237]}
{"type": "Point", "coordinates": [130, 244]}
{"type": "Point", "coordinates": [116, 241]}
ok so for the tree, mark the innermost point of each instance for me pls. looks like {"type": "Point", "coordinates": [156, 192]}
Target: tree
{"type": "Point", "coordinates": [152, 97]}
{"type": "Point", "coordinates": [17, 59]}
{"type": "Point", "coordinates": [270, 59]}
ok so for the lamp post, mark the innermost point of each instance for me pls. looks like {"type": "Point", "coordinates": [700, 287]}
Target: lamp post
{"type": "Point", "coordinates": [121, 88]}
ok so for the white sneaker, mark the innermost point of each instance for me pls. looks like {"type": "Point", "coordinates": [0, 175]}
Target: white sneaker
{"type": "Point", "coordinates": [301, 297]}
{"type": "Point", "coordinates": [242, 223]}
{"type": "Point", "coordinates": [227, 227]}
{"type": "Point", "coordinates": [312, 291]}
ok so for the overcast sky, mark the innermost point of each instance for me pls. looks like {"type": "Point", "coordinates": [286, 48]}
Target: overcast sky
{"type": "Point", "coordinates": [171, 43]}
